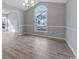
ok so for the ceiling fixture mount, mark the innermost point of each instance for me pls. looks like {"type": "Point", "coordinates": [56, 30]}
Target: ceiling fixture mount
{"type": "Point", "coordinates": [28, 3]}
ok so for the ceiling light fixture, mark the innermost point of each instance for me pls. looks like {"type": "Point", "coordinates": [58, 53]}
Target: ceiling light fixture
{"type": "Point", "coordinates": [23, 4]}
{"type": "Point", "coordinates": [28, 3]}
{"type": "Point", "coordinates": [32, 1]}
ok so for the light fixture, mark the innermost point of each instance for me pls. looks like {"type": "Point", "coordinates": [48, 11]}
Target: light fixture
{"type": "Point", "coordinates": [23, 4]}
{"type": "Point", "coordinates": [32, 1]}
{"type": "Point", "coordinates": [28, 3]}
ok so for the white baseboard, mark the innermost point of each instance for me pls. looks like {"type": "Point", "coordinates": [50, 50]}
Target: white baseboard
{"type": "Point", "coordinates": [46, 36]}
{"type": "Point", "coordinates": [71, 48]}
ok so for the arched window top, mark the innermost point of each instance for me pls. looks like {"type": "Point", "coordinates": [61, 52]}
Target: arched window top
{"type": "Point", "coordinates": [40, 8]}
{"type": "Point", "coordinates": [41, 18]}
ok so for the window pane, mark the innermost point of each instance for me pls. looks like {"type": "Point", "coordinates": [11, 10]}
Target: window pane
{"type": "Point", "coordinates": [41, 18]}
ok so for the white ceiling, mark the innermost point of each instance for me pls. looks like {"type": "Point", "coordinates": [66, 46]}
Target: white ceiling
{"type": "Point", "coordinates": [18, 3]}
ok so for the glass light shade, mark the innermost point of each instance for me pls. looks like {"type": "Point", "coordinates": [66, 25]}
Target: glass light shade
{"type": "Point", "coordinates": [26, 1]}
{"type": "Point", "coordinates": [32, 1]}
{"type": "Point", "coordinates": [23, 4]}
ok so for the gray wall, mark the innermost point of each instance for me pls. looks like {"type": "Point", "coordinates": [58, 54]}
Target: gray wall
{"type": "Point", "coordinates": [16, 15]}
{"type": "Point", "coordinates": [71, 24]}
{"type": "Point", "coordinates": [55, 18]}
{"type": "Point", "coordinates": [12, 17]}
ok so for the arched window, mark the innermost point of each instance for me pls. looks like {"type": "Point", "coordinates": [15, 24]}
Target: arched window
{"type": "Point", "coordinates": [41, 18]}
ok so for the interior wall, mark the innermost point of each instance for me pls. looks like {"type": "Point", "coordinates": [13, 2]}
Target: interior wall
{"type": "Point", "coordinates": [71, 24]}
{"type": "Point", "coordinates": [12, 22]}
{"type": "Point", "coordinates": [55, 18]}
{"type": "Point", "coordinates": [16, 15]}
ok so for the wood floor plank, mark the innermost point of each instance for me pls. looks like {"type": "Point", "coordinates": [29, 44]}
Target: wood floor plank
{"type": "Point", "coordinates": [33, 47]}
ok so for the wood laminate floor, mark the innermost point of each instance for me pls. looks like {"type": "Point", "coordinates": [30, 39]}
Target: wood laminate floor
{"type": "Point", "coordinates": [33, 47]}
